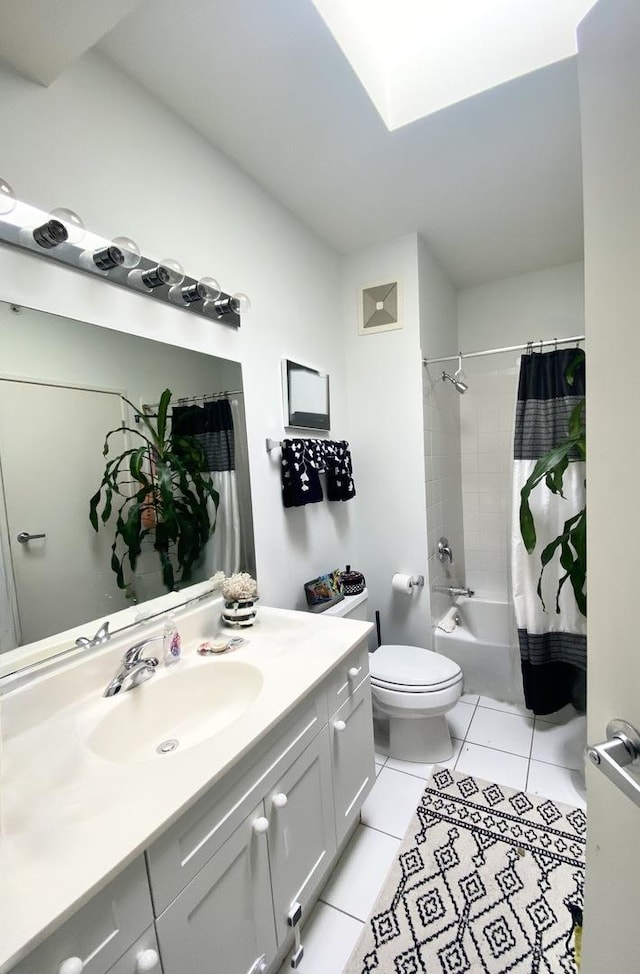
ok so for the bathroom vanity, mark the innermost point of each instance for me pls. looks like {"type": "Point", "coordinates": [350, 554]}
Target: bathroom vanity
{"type": "Point", "coordinates": [117, 858]}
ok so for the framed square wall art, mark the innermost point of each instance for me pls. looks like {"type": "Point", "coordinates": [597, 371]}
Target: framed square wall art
{"type": "Point", "coordinates": [380, 308]}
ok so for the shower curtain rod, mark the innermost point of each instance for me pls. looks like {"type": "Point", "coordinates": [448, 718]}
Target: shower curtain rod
{"type": "Point", "coordinates": [190, 399]}
{"type": "Point", "coordinates": [508, 348]}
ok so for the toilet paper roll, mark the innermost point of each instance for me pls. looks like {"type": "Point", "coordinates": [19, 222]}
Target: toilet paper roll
{"type": "Point", "coordinates": [402, 583]}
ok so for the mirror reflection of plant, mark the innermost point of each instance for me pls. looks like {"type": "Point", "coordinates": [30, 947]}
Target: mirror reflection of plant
{"type": "Point", "coordinates": [171, 472]}
{"type": "Point", "coordinates": [571, 543]}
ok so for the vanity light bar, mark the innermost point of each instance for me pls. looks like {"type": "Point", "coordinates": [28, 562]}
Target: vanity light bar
{"type": "Point", "coordinates": [60, 235]}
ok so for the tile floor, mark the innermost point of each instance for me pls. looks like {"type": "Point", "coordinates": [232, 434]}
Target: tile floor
{"type": "Point", "coordinates": [497, 741]}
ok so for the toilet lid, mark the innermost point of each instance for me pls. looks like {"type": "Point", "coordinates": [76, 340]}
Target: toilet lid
{"type": "Point", "coordinates": [412, 667]}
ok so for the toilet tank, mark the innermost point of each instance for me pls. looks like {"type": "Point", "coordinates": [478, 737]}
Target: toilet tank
{"type": "Point", "coordinates": [351, 607]}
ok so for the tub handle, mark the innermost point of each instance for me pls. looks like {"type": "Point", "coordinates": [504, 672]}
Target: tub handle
{"type": "Point", "coordinates": [444, 550]}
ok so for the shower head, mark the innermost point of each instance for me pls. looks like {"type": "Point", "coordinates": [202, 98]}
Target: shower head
{"type": "Point", "coordinates": [458, 385]}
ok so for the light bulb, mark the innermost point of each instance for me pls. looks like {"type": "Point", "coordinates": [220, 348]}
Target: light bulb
{"type": "Point", "coordinates": [71, 222]}
{"type": "Point", "coordinates": [240, 302]}
{"type": "Point", "coordinates": [212, 289]}
{"type": "Point", "coordinates": [206, 289]}
{"type": "Point", "coordinates": [7, 197]}
{"type": "Point", "coordinates": [150, 279]}
{"type": "Point", "coordinates": [174, 270]}
{"type": "Point", "coordinates": [129, 249]}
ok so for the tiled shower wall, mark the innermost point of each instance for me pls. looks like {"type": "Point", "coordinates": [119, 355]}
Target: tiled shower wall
{"type": "Point", "coordinates": [545, 304]}
{"type": "Point", "coordinates": [486, 438]}
{"type": "Point", "coordinates": [441, 407]}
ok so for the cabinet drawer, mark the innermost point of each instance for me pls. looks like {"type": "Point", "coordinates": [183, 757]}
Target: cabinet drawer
{"type": "Point", "coordinates": [101, 931]}
{"type": "Point", "coordinates": [186, 847]}
{"type": "Point", "coordinates": [347, 676]}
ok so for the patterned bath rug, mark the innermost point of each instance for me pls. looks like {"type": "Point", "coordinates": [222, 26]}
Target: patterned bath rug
{"type": "Point", "coordinates": [488, 880]}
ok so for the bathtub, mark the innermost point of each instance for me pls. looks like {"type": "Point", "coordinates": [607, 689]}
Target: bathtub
{"type": "Point", "coordinates": [484, 646]}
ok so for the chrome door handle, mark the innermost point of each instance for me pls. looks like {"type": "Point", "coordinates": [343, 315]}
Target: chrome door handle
{"type": "Point", "coordinates": [621, 750]}
{"type": "Point", "coordinates": [24, 537]}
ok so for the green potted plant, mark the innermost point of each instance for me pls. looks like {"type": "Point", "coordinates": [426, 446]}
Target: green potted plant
{"type": "Point", "coordinates": [158, 489]}
{"type": "Point", "coordinates": [571, 543]}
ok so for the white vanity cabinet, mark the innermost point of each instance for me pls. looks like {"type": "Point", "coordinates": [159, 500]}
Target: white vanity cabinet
{"type": "Point", "coordinates": [229, 879]}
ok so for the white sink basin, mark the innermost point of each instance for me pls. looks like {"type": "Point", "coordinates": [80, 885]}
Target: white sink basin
{"type": "Point", "coordinates": [173, 711]}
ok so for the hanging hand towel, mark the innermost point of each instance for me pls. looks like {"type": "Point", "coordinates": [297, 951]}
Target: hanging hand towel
{"type": "Point", "coordinates": [340, 486]}
{"type": "Point", "coordinates": [300, 480]}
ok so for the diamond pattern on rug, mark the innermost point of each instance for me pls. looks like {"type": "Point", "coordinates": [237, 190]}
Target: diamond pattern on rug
{"type": "Point", "coordinates": [482, 883]}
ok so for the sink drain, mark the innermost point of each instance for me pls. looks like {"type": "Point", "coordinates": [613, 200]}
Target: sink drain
{"type": "Point", "coordinates": [167, 746]}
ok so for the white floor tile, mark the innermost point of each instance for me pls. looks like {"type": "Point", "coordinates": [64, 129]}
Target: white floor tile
{"type": "Point", "coordinates": [380, 758]}
{"type": "Point", "coordinates": [559, 784]}
{"type": "Point", "coordinates": [459, 719]}
{"type": "Point", "coordinates": [507, 708]}
{"type": "Point", "coordinates": [379, 768]}
{"type": "Point", "coordinates": [424, 770]}
{"type": "Point", "coordinates": [492, 765]}
{"type": "Point", "coordinates": [507, 732]}
{"type": "Point", "coordinates": [561, 744]}
{"type": "Point", "coordinates": [329, 938]}
{"type": "Point", "coordinates": [361, 871]}
{"type": "Point", "coordinates": [392, 802]}
{"type": "Point", "coordinates": [561, 716]}
{"type": "Point", "coordinates": [471, 698]}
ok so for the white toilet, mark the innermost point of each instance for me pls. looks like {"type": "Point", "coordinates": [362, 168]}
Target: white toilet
{"type": "Point", "coordinates": [412, 687]}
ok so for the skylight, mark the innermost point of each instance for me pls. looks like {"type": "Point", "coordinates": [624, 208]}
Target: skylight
{"type": "Point", "coordinates": [415, 57]}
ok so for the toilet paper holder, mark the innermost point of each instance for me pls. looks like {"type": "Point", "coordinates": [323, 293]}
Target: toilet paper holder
{"type": "Point", "coordinates": [406, 583]}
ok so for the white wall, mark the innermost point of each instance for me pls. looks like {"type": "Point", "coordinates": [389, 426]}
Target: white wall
{"type": "Point", "coordinates": [98, 143]}
{"type": "Point", "coordinates": [541, 305]}
{"type": "Point", "coordinates": [441, 419]}
{"type": "Point", "coordinates": [384, 394]}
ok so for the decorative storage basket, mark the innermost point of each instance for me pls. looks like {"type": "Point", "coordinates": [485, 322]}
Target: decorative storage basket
{"type": "Point", "coordinates": [352, 582]}
{"type": "Point", "coordinates": [240, 613]}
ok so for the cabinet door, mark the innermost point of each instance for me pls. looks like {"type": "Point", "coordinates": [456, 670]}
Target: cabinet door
{"type": "Point", "coordinates": [351, 730]}
{"type": "Point", "coordinates": [222, 922]}
{"type": "Point", "coordinates": [302, 838]}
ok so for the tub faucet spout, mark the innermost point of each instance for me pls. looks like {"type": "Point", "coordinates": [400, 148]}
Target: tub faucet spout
{"type": "Point", "coordinates": [453, 590]}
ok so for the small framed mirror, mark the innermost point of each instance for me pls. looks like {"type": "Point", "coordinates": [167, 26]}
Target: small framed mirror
{"type": "Point", "coordinates": [305, 396]}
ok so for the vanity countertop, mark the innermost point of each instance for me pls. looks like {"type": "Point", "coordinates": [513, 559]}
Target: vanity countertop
{"type": "Point", "coordinates": [70, 820]}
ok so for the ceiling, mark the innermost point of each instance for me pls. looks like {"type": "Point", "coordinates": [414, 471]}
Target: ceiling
{"type": "Point", "coordinates": [493, 184]}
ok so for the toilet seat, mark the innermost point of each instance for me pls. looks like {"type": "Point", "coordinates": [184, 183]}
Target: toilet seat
{"type": "Point", "coordinates": [411, 669]}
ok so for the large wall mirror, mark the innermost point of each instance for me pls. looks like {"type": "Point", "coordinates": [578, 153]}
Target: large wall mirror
{"type": "Point", "coordinates": [61, 388]}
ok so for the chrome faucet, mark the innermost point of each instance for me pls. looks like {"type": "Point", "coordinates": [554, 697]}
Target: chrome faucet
{"type": "Point", "coordinates": [134, 668]}
{"type": "Point", "coordinates": [101, 636]}
{"type": "Point", "coordinates": [444, 551]}
{"type": "Point", "coordinates": [453, 590]}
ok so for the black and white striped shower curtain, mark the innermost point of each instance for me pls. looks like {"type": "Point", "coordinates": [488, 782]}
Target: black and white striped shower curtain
{"type": "Point", "coordinates": [553, 646]}
{"type": "Point", "coordinates": [212, 426]}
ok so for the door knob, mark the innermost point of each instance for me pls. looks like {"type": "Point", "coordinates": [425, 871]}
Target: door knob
{"type": "Point", "coordinates": [280, 800]}
{"type": "Point", "coordinates": [261, 825]}
{"type": "Point", "coordinates": [354, 670]}
{"type": "Point", "coordinates": [339, 725]}
{"type": "Point", "coordinates": [24, 537]}
{"type": "Point", "coordinates": [621, 750]}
